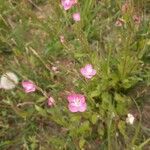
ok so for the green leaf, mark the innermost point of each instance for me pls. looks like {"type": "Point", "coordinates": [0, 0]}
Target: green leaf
{"type": "Point", "coordinates": [41, 99]}
{"type": "Point", "coordinates": [94, 93]}
{"type": "Point", "coordinates": [101, 130]}
{"type": "Point", "coordinates": [41, 110]}
{"type": "Point", "coordinates": [122, 128]}
{"type": "Point", "coordinates": [94, 118]}
{"type": "Point", "coordinates": [122, 104]}
{"type": "Point", "coordinates": [82, 143]}
{"type": "Point", "coordinates": [79, 55]}
{"type": "Point", "coordinates": [75, 118]}
{"type": "Point", "coordinates": [85, 126]}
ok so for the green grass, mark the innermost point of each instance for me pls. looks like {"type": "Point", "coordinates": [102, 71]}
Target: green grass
{"type": "Point", "coordinates": [30, 47]}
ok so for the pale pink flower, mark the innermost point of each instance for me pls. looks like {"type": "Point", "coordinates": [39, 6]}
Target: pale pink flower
{"type": "Point", "coordinates": [28, 86]}
{"type": "Point", "coordinates": [67, 4]}
{"type": "Point", "coordinates": [62, 39]}
{"type": "Point", "coordinates": [120, 22]}
{"type": "Point", "coordinates": [76, 16]}
{"type": "Point", "coordinates": [51, 101]}
{"type": "Point", "coordinates": [125, 7]}
{"type": "Point", "coordinates": [54, 68]}
{"type": "Point", "coordinates": [137, 19]}
{"type": "Point", "coordinates": [88, 72]}
{"type": "Point", "coordinates": [76, 103]}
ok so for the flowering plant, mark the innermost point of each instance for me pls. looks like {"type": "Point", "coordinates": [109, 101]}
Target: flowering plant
{"type": "Point", "coordinates": [79, 74]}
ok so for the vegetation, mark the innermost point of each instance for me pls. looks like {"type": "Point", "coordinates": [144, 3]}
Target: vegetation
{"type": "Point", "coordinates": [41, 42]}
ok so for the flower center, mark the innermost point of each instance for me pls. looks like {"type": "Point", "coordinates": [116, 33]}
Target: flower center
{"type": "Point", "coordinates": [67, 2]}
{"type": "Point", "coordinates": [89, 70]}
{"type": "Point", "coordinates": [77, 102]}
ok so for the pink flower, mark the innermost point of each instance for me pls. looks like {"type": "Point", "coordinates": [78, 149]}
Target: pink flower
{"type": "Point", "coordinates": [28, 86]}
{"type": "Point", "coordinates": [125, 7]}
{"type": "Point", "coordinates": [120, 22]}
{"type": "Point", "coordinates": [51, 101]}
{"type": "Point", "coordinates": [54, 68]}
{"type": "Point", "coordinates": [76, 103]}
{"type": "Point", "coordinates": [76, 16]}
{"type": "Point", "coordinates": [88, 72]}
{"type": "Point", "coordinates": [62, 39]}
{"type": "Point", "coordinates": [67, 4]}
{"type": "Point", "coordinates": [137, 19]}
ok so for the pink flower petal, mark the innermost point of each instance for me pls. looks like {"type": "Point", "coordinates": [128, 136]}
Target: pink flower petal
{"type": "Point", "coordinates": [72, 108]}
{"type": "Point", "coordinates": [28, 86]}
{"type": "Point", "coordinates": [137, 19]}
{"type": "Point", "coordinates": [83, 71]}
{"type": "Point", "coordinates": [51, 101]}
{"type": "Point", "coordinates": [76, 16]}
{"type": "Point", "coordinates": [88, 66]}
{"type": "Point", "coordinates": [119, 23]}
{"type": "Point", "coordinates": [62, 39]}
{"type": "Point", "coordinates": [93, 72]}
{"type": "Point", "coordinates": [71, 98]}
{"type": "Point", "coordinates": [88, 76]}
{"type": "Point", "coordinates": [83, 107]}
{"type": "Point", "coordinates": [76, 102]}
{"type": "Point", "coordinates": [125, 7]}
{"type": "Point", "coordinates": [67, 4]}
{"type": "Point", "coordinates": [88, 72]}
{"type": "Point", "coordinates": [81, 97]}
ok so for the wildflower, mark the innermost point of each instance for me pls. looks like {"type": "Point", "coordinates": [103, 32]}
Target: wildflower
{"type": "Point", "coordinates": [130, 119]}
{"type": "Point", "coordinates": [8, 81]}
{"type": "Point", "coordinates": [76, 16]}
{"type": "Point", "coordinates": [88, 72]}
{"type": "Point", "coordinates": [62, 39]}
{"type": "Point", "coordinates": [51, 101]}
{"type": "Point", "coordinates": [137, 19]}
{"type": "Point", "coordinates": [55, 69]}
{"type": "Point", "coordinates": [125, 7]}
{"type": "Point", "coordinates": [28, 86]}
{"type": "Point", "coordinates": [67, 4]}
{"type": "Point", "coordinates": [119, 23]}
{"type": "Point", "coordinates": [76, 103]}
